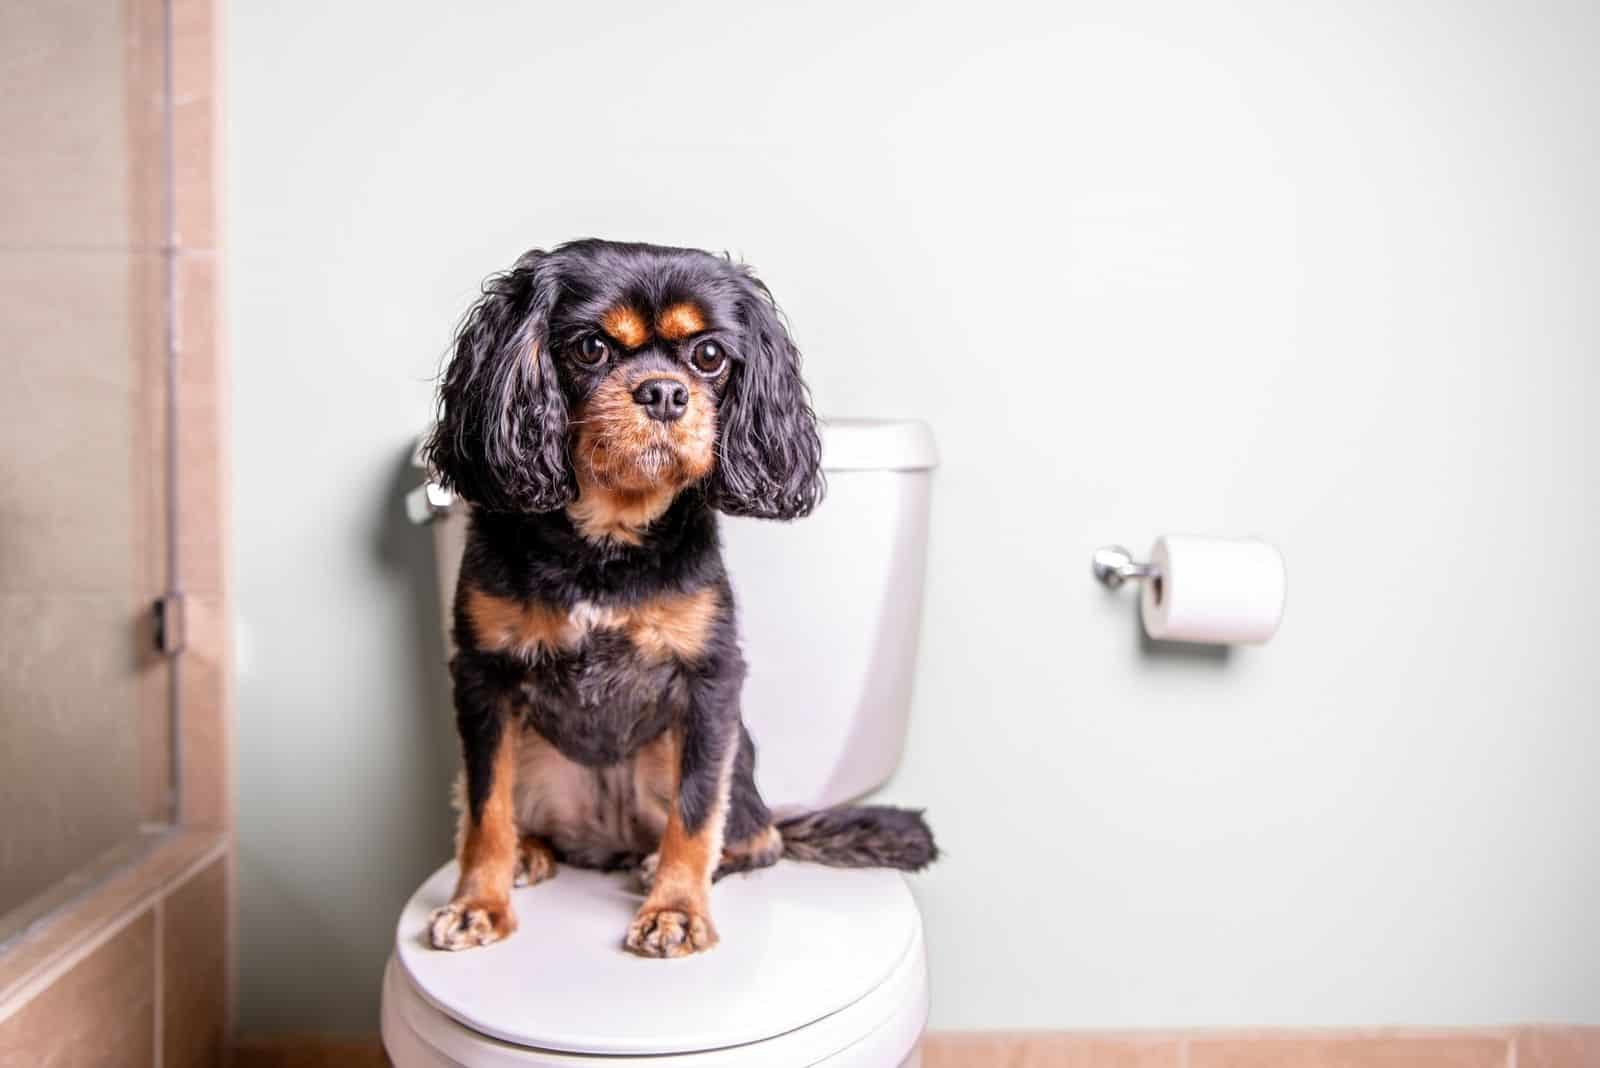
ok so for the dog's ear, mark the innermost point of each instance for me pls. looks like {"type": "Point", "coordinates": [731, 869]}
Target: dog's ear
{"type": "Point", "coordinates": [501, 436]}
{"type": "Point", "coordinates": [769, 456]}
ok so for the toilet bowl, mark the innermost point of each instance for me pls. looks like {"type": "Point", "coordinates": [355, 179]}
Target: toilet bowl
{"type": "Point", "coordinates": [816, 966]}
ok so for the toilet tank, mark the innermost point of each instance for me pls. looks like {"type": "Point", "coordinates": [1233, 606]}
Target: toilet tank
{"type": "Point", "coordinates": [829, 609]}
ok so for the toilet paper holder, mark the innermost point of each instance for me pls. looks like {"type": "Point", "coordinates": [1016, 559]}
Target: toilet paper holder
{"type": "Point", "coordinates": [1202, 589]}
{"type": "Point", "coordinates": [1113, 565]}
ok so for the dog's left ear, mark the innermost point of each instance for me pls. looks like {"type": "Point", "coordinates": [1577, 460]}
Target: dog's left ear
{"type": "Point", "coordinates": [770, 458]}
{"type": "Point", "coordinates": [501, 436]}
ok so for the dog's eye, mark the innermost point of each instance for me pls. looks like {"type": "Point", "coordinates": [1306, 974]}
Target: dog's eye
{"type": "Point", "coordinates": [709, 358]}
{"type": "Point", "coordinates": [592, 351]}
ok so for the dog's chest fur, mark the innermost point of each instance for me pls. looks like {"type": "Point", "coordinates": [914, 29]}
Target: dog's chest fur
{"type": "Point", "coordinates": [600, 679]}
{"type": "Point", "coordinates": [597, 640]}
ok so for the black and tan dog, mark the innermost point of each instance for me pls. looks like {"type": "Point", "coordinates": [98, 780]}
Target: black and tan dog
{"type": "Point", "coordinates": [603, 403]}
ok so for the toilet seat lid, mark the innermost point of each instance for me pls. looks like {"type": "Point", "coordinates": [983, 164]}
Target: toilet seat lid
{"type": "Point", "coordinates": [798, 942]}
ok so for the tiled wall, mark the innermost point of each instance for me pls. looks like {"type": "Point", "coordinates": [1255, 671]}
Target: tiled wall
{"type": "Point", "coordinates": [1523, 1047]}
{"type": "Point", "coordinates": [137, 978]}
{"type": "Point", "coordinates": [120, 979]}
{"type": "Point", "coordinates": [136, 970]}
{"type": "Point", "coordinates": [83, 491]}
{"type": "Point", "coordinates": [82, 534]}
{"type": "Point", "coordinates": [202, 411]}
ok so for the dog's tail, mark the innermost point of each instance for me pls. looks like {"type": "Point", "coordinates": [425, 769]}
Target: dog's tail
{"type": "Point", "coordinates": [860, 836]}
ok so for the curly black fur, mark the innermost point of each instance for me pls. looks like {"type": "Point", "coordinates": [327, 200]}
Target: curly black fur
{"type": "Point", "coordinates": [501, 436]}
{"type": "Point", "coordinates": [501, 439]}
{"type": "Point", "coordinates": [771, 456]}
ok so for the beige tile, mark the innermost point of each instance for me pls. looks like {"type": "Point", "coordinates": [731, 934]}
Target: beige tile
{"type": "Point", "coordinates": [150, 488]}
{"type": "Point", "coordinates": [1558, 1047]}
{"type": "Point", "coordinates": [81, 117]}
{"type": "Point", "coordinates": [201, 508]}
{"type": "Point", "coordinates": [77, 338]}
{"type": "Point", "coordinates": [1050, 1050]}
{"type": "Point", "coordinates": [202, 531]}
{"type": "Point", "coordinates": [202, 446]}
{"type": "Point", "coordinates": [1358, 1050]}
{"type": "Point", "coordinates": [153, 688]}
{"type": "Point", "coordinates": [100, 1014]}
{"type": "Point", "coordinates": [206, 728]}
{"type": "Point", "coordinates": [198, 296]}
{"type": "Point", "coordinates": [82, 531]}
{"type": "Point", "coordinates": [196, 80]}
{"type": "Point", "coordinates": [309, 1051]}
{"type": "Point", "coordinates": [160, 863]}
{"type": "Point", "coordinates": [69, 778]}
{"type": "Point", "coordinates": [194, 955]}
{"type": "Point", "coordinates": [147, 480]}
{"type": "Point", "coordinates": [144, 94]}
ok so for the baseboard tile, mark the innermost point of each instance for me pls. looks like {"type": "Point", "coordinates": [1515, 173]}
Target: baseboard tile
{"type": "Point", "coordinates": [309, 1051]}
{"type": "Point", "coordinates": [1539, 1046]}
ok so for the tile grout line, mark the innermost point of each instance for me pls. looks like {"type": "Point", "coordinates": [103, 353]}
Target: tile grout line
{"type": "Point", "coordinates": [26, 991]}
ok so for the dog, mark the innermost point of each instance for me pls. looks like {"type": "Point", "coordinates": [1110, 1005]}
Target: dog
{"type": "Point", "coordinates": [603, 403]}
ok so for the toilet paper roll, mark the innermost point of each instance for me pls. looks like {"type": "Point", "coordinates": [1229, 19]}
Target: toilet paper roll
{"type": "Point", "coordinates": [1221, 591]}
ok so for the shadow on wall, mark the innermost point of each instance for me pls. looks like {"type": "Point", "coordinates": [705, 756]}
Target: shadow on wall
{"type": "Point", "coordinates": [405, 551]}
{"type": "Point", "coordinates": [346, 889]}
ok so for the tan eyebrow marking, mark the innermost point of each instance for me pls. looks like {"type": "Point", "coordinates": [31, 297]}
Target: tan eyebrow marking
{"type": "Point", "coordinates": [680, 321]}
{"type": "Point", "coordinates": [626, 326]}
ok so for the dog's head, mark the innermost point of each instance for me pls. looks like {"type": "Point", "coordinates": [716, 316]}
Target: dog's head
{"type": "Point", "coordinates": [629, 371]}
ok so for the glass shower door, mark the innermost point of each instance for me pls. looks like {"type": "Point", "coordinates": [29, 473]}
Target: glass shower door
{"type": "Point", "coordinates": [84, 697]}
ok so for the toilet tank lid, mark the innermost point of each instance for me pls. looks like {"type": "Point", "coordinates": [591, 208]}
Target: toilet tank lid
{"type": "Point", "coordinates": [877, 445]}
{"type": "Point", "coordinates": [851, 445]}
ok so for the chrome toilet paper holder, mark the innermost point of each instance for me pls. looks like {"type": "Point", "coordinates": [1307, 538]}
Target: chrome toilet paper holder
{"type": "Point", "coordinates": [1113, 565]}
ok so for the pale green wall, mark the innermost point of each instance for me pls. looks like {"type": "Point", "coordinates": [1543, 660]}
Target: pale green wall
{"type": "Point", "coordinates": [1321, 272]}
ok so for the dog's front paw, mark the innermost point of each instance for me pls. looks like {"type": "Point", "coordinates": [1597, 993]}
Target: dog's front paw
{"type": "Point", "coordinates": [536, 862]}
{"type": "Point", "coordinates": [669, 932]}
{"type": "Point", "coordinates": [472, 922]}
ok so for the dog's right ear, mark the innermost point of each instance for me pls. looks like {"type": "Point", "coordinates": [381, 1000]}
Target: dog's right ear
{"type": "Point", "coordinates": [501, 436]}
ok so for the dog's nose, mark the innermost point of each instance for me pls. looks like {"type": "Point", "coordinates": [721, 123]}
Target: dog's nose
{"type": "Point", "coordinates": [665, 399]}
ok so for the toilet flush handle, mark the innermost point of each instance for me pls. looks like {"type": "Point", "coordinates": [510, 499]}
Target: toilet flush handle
{"type": "Point", "coordinates": [428, 502]}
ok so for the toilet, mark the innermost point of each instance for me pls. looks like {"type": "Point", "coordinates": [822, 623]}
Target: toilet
{"type": "Point", "coordinates": [816, 965]}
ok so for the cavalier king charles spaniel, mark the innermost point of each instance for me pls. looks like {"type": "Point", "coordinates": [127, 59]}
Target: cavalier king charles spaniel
{"type": "Point", "coordinates": [603, 403]}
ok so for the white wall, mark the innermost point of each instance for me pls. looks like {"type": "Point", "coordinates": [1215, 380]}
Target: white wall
{"type": "Point", "coordinates": [1322, 273]}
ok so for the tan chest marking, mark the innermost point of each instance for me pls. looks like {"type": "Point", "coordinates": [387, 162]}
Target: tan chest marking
{"type": "Point", "coordinates": [506, 625]}
{"type": "Point", "coordinates": [678, 624]}
{"type": "Point", "coordinates": [601, 513]}
{"type": "Point", "coordinates": [674, 626]}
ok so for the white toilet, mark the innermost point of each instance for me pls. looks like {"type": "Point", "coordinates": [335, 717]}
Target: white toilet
{"type": "Point", "coordinates": [816, 966]}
